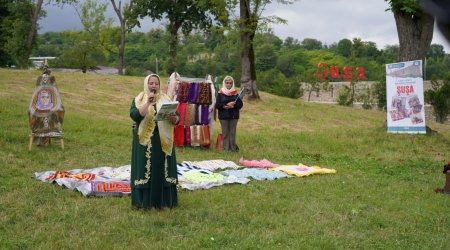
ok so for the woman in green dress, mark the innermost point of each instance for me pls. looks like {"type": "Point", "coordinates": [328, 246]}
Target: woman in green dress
{"type": "Point", "coordinates": [153, 160]}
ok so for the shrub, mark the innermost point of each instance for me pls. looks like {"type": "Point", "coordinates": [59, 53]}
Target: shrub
{"type": "Point", "coordinates": [344, 97]}
{"type": "Point", "coordinates": [273, 81]}
{"type": "Point", "coordinates": [380, 94]}
{"type": "Point", "coordinates": [133, 71]}
{"type": "Point", "coordinates": [366, 98]}
{"type": "Point", "coordinates": [439, 97]}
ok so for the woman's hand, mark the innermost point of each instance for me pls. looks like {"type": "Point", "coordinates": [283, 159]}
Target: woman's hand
{"type": "Point", "coordinates": [230, 105]}
{"type": "Point", "coordinates": [151, 97]}
{"type": "Point", "coordinates": [173, 118]}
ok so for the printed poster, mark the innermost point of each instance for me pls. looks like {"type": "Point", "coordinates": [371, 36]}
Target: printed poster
{"type": "Point", "coordinates": [405, 99]}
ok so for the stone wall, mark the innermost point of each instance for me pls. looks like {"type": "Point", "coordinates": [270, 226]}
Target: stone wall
{"type": "Point", "coordinates": [331, 95]}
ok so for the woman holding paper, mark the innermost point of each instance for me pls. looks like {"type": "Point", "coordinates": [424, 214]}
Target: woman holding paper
{"type": "Point", "coordinates": [153, 160]}
{"type": "Point", "coordinates": [228, 102]}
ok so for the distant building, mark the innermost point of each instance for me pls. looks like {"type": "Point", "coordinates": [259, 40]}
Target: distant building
{"type": "Point", "coordinates": [40, 61]}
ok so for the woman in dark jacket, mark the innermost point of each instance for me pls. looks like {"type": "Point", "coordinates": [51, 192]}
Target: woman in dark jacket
{"type": "Point", "coordinates": [228, 103]}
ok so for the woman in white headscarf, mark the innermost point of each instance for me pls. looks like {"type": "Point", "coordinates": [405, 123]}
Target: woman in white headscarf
{"type": "Point", "coordinates": [153, 160]}
{"type": "Point", "coordinates": [228, 103]}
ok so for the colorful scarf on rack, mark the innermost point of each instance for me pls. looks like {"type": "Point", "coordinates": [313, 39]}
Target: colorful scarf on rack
{"type": "Point", "coordinates": [193, 92]}
{"type": "Point", "coordinates": [204, 93]}
{"type": "Point", "coordinates": [190, 115]}
{"type": "Point", "coordinates": [183, 92]}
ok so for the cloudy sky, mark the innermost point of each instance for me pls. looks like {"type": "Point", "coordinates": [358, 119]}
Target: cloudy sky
{"type": "Point", "coordinates": [325, 20]}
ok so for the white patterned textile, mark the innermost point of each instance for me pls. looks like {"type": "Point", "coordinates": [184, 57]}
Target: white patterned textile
{"type": "Point", "coordinates": [213, 165]}
{"type": "Point", "coordinates": [193, 177]}
{"type": "Point", "coordinates": [101, 181]}
{"type": "Point", "coordinates": [207, 185]}
{"type": "Point", "coordinates": [256, 173]}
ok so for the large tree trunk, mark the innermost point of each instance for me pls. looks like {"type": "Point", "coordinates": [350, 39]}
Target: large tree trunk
{"type": "Point", "coordinates": [31, 34]}
{"type": "Point", "coordinates": [174, 27]}
{"type": "Point", "coordinates": [248, 69]}
{"type": "Point", "coordinates": [415, 33]}
{"type": "Point", "coordinates": [121, 50]}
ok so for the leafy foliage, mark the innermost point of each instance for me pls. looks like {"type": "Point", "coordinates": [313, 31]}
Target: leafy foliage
{"type": "Point", "coordinates": [439, 97]}
{"type": "Point", "coordinates": [186, 15]}
{"type": "Point", "coordinates": [311, 44]}
{"type": "Point", "coordinates": [408, 6]}
{"type": "Point", "coordinates": [344, 96]}
{"type": "Point", "coordinates": [273, 81]}
{"type": "Point", "coordinates": [15, 23]}
{"type": "Point", "coordinates": [81, 52]}
{"type": "Point", "coordinates": [267, 57]}
{"type": "Point", "coordinates": [380, 94]}
{"type": "Point", "coordinates": [366, 98]}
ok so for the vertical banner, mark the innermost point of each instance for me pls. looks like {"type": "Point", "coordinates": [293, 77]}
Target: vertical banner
{"type": "Point", "coordinates": [405, 100]}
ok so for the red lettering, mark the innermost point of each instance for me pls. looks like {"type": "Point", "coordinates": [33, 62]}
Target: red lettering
{"type": "Point", "coordinates": [405, 90]}
{"type": "Point", "coordinates": [323, 72]}
{"type": "Point", "coordinates": [322, 67]}
{"type": "Point", "coordinates": [334, 72]}
{"type": "Point", "coordinates": [347, 73]}
{"type": "Point", "coordinates": [361, 75]}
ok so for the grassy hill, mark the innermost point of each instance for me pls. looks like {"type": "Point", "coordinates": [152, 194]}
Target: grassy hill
{"type": "Point", "coordinates": [381, 197]}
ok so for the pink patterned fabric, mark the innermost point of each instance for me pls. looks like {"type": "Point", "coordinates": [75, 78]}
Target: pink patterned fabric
{"type": "Point", "coordinates": [258, 164]}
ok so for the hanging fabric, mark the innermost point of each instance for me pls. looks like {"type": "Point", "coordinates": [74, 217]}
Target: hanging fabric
{"type": "Point", "coordinates": [183, 92]}
{"type": "Point", "coordinates": [182, 112]}
{"type": "Point", "coordinates": [198, 114]}
{"type": "Point", "coordinates": [187, 135]}
{"type": "Point", "coordinates": [204, 93]}
{"type": "Point", "coordinates": [205, 139]}
{"type": "Point", "coordinates": [195, 135]}
{"type": "Point", "coordinates": [179, 136]}
{"type": "Point", "coordinates": [193, 92]}
{"type": "Point", "coordinates": [190, 115]}
{"type": "Point", "coordinates": [205, 115]}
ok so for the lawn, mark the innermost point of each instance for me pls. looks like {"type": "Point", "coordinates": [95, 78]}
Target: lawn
{"type": "Point", "coordinates": [381, 197]}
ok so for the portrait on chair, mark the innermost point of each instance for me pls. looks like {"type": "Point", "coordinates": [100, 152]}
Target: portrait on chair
{"type": "Point", "coordinates": [46, 115]}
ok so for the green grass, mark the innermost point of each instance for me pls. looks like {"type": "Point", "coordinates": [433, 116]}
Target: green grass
{"type": "Point", "coordinates": [381, 197]}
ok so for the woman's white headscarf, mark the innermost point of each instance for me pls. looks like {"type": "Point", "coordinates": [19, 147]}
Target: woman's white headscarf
{"type": "Point", "coordinates": [224, 89]}
{"type": "Point", "coordinates": [147, 125]}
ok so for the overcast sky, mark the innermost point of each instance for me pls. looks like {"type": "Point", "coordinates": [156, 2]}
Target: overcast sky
{"type": "Point", "coordinates": [325, 20]}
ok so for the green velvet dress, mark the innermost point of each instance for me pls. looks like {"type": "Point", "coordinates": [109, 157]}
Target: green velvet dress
{"type": "Point", "coordinates": [157, 192]}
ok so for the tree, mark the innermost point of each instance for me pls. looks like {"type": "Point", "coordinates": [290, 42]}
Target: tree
{"type": "Point", "coordinates": [81, 51]}
{"type": "Point", "coordinates": [32, 31]}
{"type": "Point", "coordinates": [228, 55]}
{"type": "Point", "coordinates": [436, 51]}
{"type": "Point", "coordinates": [414, 28]}
{"type": "Point", "coordinates": [437, 67]}
{"type": "Point", "coordinates": [291, 62]}
{"type": "Point", "coordinates": [344, 47]}
{"type": "Point", "coordinates": [5, 13]}
{"type": "Point", "coordinates": [389, 54]}
{"type": "Point", "coordinates": [49, 44]}
{"type": "Point", "coordinates": [439, 97]}
{"type": "Point", "coordinates": [291, 42]}
{"type": "Point", "coordinates": [14, 29]}
{"type": "Point", "coordinates": [380, 93]}
{"type": "Point", "coordinates": [30, 40]}
{"type": "Point", "coordinates": [184, 14]}
{"type": "Point", "coordinates": [311, 44]}
{"type": "Point", "coordinates": [249, 21]}
{"type": "Point", "coordinates": [123, 29]}
{"type": "Point", "coordinates": [267, 57]}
